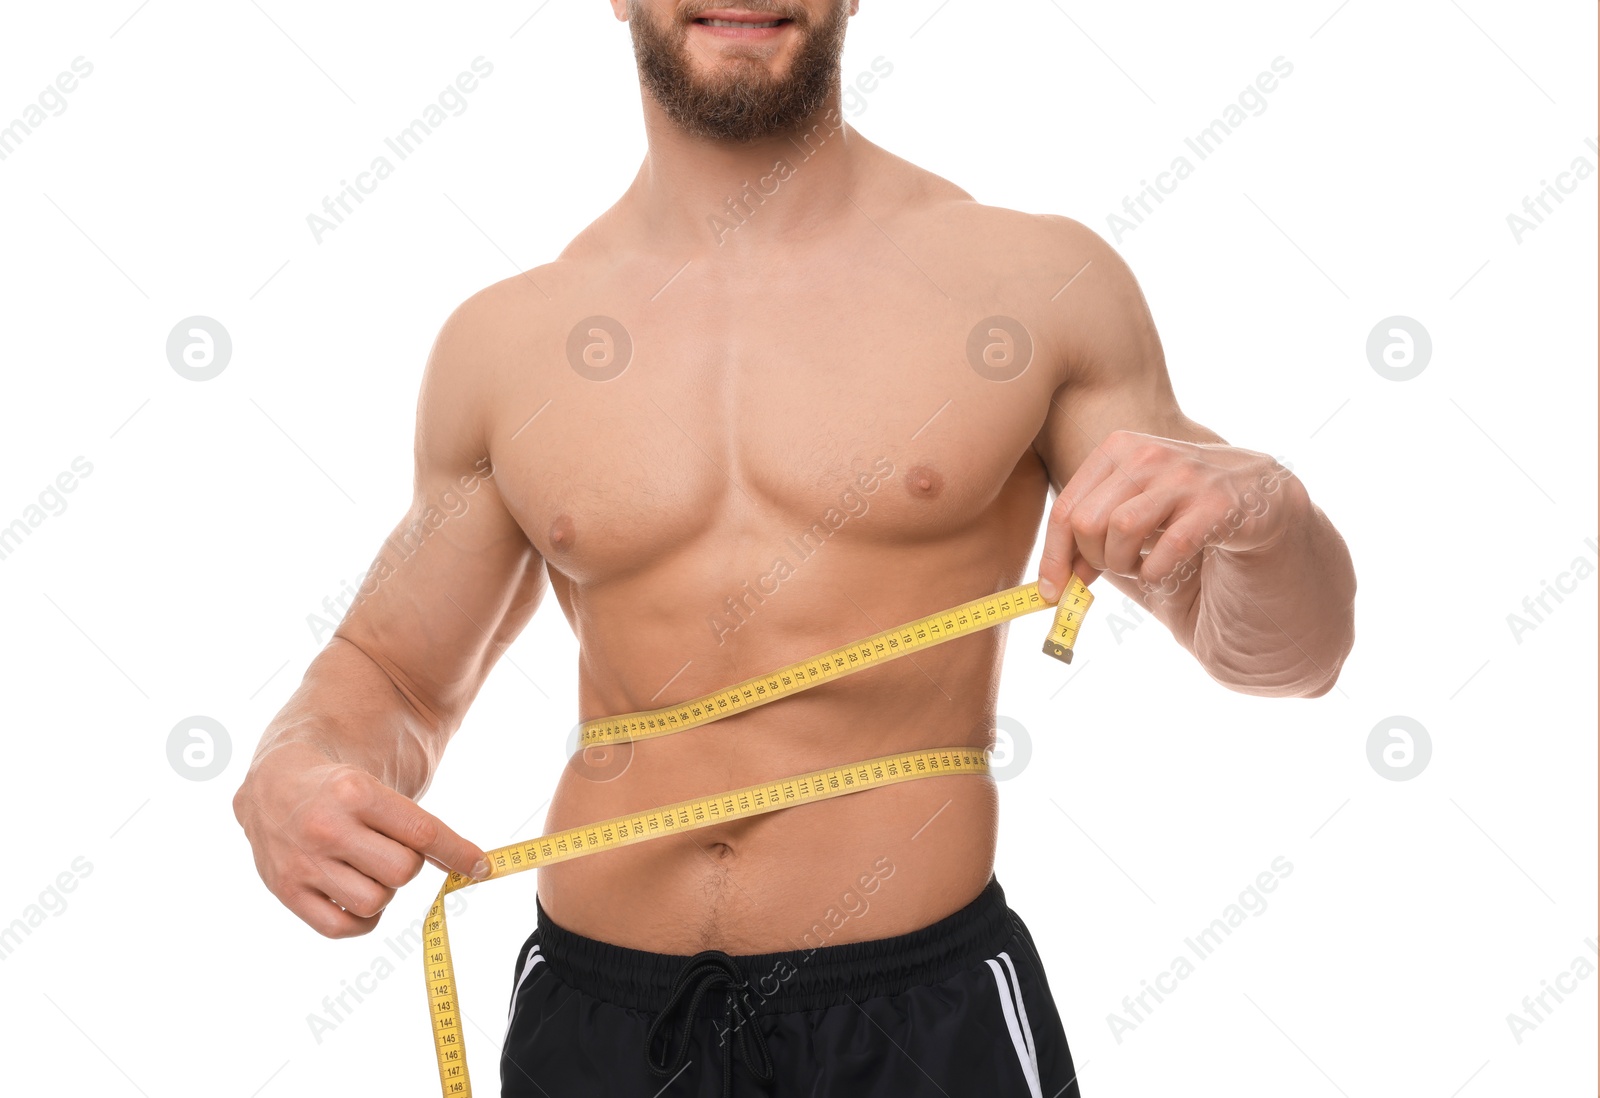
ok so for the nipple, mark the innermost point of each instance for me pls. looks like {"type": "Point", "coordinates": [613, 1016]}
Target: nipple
{"type": "Point", "coordinates": [562, 533]}
{"type": "Point", "coordinates": [923, 481]}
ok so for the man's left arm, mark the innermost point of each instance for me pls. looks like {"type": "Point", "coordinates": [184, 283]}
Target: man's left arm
{"type": "Point", "coordinates": [1222, 544]}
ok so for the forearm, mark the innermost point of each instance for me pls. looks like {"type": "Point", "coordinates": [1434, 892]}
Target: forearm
{"type": "Point", "coordinates": [1277, 621]}
{"type": "Point", "coordinates": [350, 710]}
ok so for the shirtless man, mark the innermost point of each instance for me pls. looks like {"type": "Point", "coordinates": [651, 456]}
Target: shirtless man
{"type": "Point", "coordinates": [855, 351]}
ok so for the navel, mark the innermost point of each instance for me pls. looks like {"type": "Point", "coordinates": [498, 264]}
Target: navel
{"type": "Point", "coordinates": [923, 481]}
{"type": "Point", "coordinates": [562, 533]}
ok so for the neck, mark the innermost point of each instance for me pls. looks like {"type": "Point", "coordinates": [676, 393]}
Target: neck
{"type": "Point", "coordinates": [697, 194]}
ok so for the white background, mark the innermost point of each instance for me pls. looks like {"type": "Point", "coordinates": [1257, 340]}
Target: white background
{"type": "Point", "coordinates": [218, 515]}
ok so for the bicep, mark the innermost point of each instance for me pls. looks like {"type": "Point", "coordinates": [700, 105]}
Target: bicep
{"type": "Point", "coordinates": [457, 579]}
{"type": "Point", "coordinates": [1111, 371]}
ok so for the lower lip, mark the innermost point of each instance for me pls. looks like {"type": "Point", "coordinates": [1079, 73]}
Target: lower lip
{"type": "Point", "coordinates": [750, 33]}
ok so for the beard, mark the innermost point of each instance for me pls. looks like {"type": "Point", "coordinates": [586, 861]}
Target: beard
{"type": "Point", "coordinates": [746, 102]}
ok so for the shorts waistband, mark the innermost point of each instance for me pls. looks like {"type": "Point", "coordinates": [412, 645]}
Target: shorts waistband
{"type": "Point", "coordinates": [791, 980]}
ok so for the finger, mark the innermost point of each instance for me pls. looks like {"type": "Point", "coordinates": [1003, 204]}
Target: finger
{"type": "Point", "coordinates": [402, 820]}
{"type": "Point", "coordinates": [1131, 525]}
{"type": "Point", "coordinates": [1175, 558]}
{"type": "Point", "coordinates": [324, 916]}
{"type": "Point", "coordinates": [352, 890]}
{"type": "Point", "coordinates": [1059, 554]}
{"type": "Point", "coordinates": [381, 858]}
{"type": "Point", "coordinates": [1092, 516]}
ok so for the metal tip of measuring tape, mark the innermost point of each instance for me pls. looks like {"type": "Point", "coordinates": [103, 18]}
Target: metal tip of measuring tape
{"type": "Point", "coordinates": [1058, 651]}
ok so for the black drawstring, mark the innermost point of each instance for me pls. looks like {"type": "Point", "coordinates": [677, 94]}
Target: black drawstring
{"type": "Point", "coordinates": [705, 972]}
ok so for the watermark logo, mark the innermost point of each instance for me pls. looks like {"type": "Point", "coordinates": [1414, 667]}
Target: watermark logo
{"type": "Point", "coordinates": [1536, 1009]}
{"type": "Point", "coordinates": [409, 539]}
{"type": "Point", "coordinates": [334, 608]}
{"type": "Point", "coordinates": [1536, 207]}
{"type": "Point", "coordinates": [53, 99]}
{"type": "Point", "coordinates": [853, 904]}
{"type": "Point", "coordinates": [999, 348]}
{"type": "Point", "coordinates": [1250, 102]}
{"type": "Point", "coordinates": [199, 748]}
{"type": "Point", "coordinates": [1399, 348]}
{"type": "Point", "coordinates": [199, 348]}
{"type": "Point", "coordinates": [1536, 608]}
{"type": "Point", "coordinates": [450, 102]}
{"type": "Point", "coordinates": [739, 608]}
{"type": "Point", "coordinates": [1121, 626]}
{"type": "Point", "coordinates": [599, 348]}
{"type": "Point", "coordinates": [598, 762]}
{"type": "Point", "coordinates": [51, 901]}
{"type": "Point", "coordinates": [1399, 748]}
{"type": "Point", "coordinates": [337, 1007]}
{"type": "Point", "coordinates": [853, 95]}
{"type": "Point", "coordinates": [738, 209]}
{"type": "Point", "coordinates": [1250, 903]}
{"type": "Point", "coordinates": [1011, 750]}
{"type": "Point", "coordinates": [1250, 505]}
{"type": "Point", "coordinates": [49, 503]}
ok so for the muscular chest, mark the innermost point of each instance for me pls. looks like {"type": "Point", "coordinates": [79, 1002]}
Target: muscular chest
{"type": "Point", "coordinates": [737, 419]}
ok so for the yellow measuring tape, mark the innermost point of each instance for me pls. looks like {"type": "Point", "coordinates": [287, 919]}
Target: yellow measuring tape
{"type": "Point", "coordinates": [817, 785]}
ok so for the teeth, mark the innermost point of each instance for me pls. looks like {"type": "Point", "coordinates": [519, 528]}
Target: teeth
{"type": "Point", "coordinates": [736, 23]}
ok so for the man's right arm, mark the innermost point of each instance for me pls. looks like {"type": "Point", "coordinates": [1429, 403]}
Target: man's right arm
{"type": "Point", "coordinates": [329, 801]}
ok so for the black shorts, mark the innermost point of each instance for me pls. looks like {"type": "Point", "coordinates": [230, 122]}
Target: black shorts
{"type": "Point", "coordinates": [958, 1008]}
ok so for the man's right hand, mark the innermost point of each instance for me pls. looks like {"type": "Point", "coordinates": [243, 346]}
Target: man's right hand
{"type": "Point", "coordinates": [333, 843]}
{"type": "Point", "coordinates": [327, 803]}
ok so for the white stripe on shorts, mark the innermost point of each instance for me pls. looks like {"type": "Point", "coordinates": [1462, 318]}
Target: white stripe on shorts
{"type": "Point", "coordinates": [1023, 1046]}
{"type": "Point", "coordinates": [527, 967]}
{"type": "Point", "coordinates": [1022, 1011]}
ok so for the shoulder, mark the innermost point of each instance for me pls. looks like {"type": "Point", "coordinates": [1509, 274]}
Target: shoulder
{"type": "Point", "coordinates": [1069, 285]}
{"type": "Point", "coordinates": [513, 319]}
{"type": "Point", "coordinates": [482, 342]}
{"type": "Point", "coordinates": [516, 311]}
{"type": "Point", "coordinates": [504, 336]}
{"type": "Point", "coordinates": [1100, 282]}
{"type": "Point", "coordinates": [1033, 247]}
{"type": "Point", "coordinates": [1022, 252]}
{"type": "Point", "coordinates": [1097, 317]}
{"type": "Point", "coordinates": [483, 332]}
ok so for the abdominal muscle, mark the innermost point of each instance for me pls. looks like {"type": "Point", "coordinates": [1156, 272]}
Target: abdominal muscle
{"type": "Point", "coordinates": [867, 865]}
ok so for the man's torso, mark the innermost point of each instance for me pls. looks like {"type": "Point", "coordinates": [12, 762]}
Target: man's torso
{"type": "Point", "coordinates": [796, 454]}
